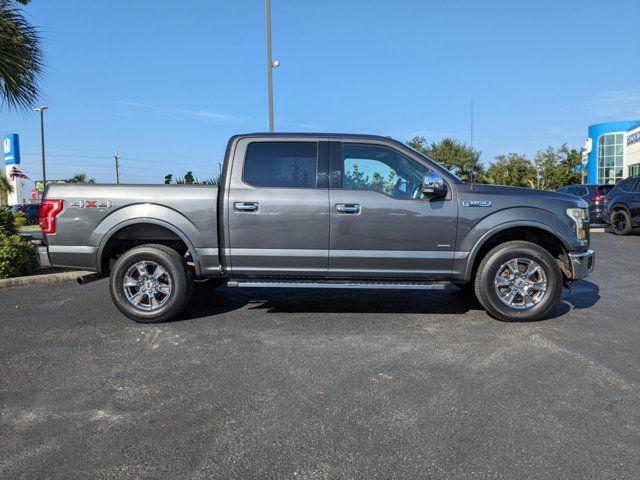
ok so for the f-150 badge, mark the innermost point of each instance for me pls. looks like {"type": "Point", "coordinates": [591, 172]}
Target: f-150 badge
{"type": "Point", "coordinates": [91, 204]}
{"type": "Point", "coordinates": [476, 203]}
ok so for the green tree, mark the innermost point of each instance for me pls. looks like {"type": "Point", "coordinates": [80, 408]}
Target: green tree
{"type": "Point", "coordinates": [454, 155]}
{"type": "Point", "coordinates": [513, 170]}
{"type": "Point", "coordinates": [555, 167]}
{"type": "Point", "coordinates": [21, 58]}
{"type": "Point", "coordinates": [80, 178]}
{"type": "Point", "coordinates": [5, 189]}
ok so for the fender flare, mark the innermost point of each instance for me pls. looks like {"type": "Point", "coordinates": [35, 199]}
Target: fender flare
{"type": "Point", "coordinates": [506, 226]}
{"type": "Point", "coordinates": [619, 206]}
{"type": "Point", "coordinates": [141, 221]}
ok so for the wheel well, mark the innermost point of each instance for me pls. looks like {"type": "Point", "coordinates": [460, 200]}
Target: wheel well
{"type": "Point", "coordinates": [620, 206]}
{"type": "Point", "coordinates": [541, 237]}
{"type": "Point", "coordinates": [140, 234]}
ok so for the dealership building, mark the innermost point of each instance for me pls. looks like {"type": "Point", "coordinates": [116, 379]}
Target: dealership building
{"type": "Point", "coordinates": [611, 152]}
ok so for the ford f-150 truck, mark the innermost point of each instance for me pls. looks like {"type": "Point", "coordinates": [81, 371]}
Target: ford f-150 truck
{"type": "Point", "coordinates": [321, 211]}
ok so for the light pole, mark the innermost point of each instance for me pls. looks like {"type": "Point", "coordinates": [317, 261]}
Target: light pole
{"type": "Point", "coordinates": [270, 64]}
{"type": "Point", "coordinates": [41, 109]}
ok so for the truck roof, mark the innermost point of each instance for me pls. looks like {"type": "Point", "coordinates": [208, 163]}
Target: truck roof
{"type": "Point", "coordinates": [313, 134]}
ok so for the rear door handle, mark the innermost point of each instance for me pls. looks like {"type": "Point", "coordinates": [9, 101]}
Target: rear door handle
{"type": "Point", "coordinates": [245, 206]}
{"type": "Point", "coordinates": [352, 208]}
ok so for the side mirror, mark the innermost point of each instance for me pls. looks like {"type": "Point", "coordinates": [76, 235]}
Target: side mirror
{"type": "Point", "coordinates": [433, 185]}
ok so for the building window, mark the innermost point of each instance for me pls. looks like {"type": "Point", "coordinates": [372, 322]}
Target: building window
{"type": "Point", "coordinates": [634, 170]}
{"type": "Point", "coordinates": [610, 154]}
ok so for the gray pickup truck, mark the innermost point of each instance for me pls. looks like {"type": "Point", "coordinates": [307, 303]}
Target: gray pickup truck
{"type": "Point", "coordinates": [321, 211]}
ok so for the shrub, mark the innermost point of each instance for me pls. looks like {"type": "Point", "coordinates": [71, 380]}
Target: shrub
{"type": "Point", "coordinates": [7, 226]}
{"type": "Point", "coordinates": [19, 220]}
{"type": "Point", "coordinates": [17, 256]}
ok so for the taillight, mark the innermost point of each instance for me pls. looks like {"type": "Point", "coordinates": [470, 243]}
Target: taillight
{"type": "Point", "coordinates": [47, 215]}
{"type": "Point", "coordinates": [596, 196]}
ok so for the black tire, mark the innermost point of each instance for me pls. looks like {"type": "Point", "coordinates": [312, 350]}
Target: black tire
{"type": "Point", "coordinates": [176, 270]}
{"type": "Point", "coordinates": [32, 221]}
{"type": "Point", "coordinates": [486, 288]}
{"type": "Point", "coordinates": [621, 223]}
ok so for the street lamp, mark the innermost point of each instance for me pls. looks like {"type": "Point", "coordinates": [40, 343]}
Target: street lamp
{"type": "Point", "coordinates": [270, 64]}
{"type": "Point", "coordinates": [41, 109]}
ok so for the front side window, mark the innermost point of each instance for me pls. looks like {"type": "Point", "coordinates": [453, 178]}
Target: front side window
{"type": "Point", "coordinates": [381, 169]}
{"type": "Point", "coordinates": [281, 164]}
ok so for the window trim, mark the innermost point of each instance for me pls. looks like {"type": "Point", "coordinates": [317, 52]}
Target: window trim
{"type": "Point", "coordinates": [337, 167]}
{"type": "Point", "coordinates": [319, 164]}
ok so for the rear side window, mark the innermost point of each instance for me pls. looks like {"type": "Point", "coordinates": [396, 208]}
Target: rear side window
{"type": "Point", "coordinates": [281, 164]}
{"type": "Point", "coordinates": [627, 185]}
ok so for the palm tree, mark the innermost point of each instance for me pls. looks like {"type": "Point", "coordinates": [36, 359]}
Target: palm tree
{"type": "Point", "coordinates": [21, 58]}
{"type": "Point", "coordinates": [5, 189]}
{"type": "Point", "coordinates": [81, 178]}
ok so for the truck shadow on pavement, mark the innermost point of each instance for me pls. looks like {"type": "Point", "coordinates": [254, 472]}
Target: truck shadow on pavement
{"type": "Point", "coordinates": [452, 301]}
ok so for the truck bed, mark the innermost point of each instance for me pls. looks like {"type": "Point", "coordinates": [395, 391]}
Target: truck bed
{"type": "Point", "coordinates": [99, 217]}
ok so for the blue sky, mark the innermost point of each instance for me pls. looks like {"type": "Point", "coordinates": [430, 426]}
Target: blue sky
{"type": "Point", "coordinates": [166, 83]}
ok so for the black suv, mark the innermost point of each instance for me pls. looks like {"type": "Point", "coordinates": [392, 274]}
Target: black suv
{"type": "Point", "coordinates": [594, 196]}
{"type": "Point", "coordinates": [622, 206]}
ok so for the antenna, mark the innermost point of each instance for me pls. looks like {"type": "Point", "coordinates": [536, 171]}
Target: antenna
{"type": "Point", "coordinates": [472, 123]}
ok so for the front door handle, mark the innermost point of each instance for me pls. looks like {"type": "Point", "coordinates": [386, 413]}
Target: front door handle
{"type": "Point", "coordinates": [245, 206]}
{"type": "Point", "coordinates": [352, 208]}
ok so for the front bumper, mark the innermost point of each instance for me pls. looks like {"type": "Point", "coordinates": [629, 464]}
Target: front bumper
{"type": "Point", "coordinates": [43, 256]}
{"type": "Point", "coordinates": [582, 264]}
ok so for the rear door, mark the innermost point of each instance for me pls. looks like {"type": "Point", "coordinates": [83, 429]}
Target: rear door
{"type": "Point", "coordinates": [634, 201]}
{"type": "Point", "coordinates": [277, 207]}
{"type": "Point", "coordinates": [380, 224]}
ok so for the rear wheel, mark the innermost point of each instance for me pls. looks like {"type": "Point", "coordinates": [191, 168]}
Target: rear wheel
{"type": "Point", "coordinates": [150, 283]}
{"type": "Point", "coordinates": [621, 223]}
{"type": "Point", "coordinates": [518, 281]}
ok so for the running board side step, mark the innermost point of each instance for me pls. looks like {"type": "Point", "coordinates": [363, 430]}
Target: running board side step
{"type": "Point", "coordinates": [337, 284]}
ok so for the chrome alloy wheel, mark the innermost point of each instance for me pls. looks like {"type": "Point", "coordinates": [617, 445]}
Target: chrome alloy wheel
{"type": "Point", "coordinates": [147, 285]}
{"type": "Point", "coordinates": [520, 283]}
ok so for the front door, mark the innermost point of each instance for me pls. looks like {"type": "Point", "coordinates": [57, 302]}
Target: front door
{"type": "Point", "coordinates": [381, 226]}
{"type": "Point", "coordinates": [278, 208]}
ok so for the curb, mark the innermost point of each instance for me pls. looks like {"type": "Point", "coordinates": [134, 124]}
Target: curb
{"type": "Point", "coordinates": [597, 230]}
{"type": "Point", "coordinates": [46, 278]}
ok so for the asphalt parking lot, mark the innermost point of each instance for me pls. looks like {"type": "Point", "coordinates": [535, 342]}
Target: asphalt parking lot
{"type": "Point", "coordinates": [324, 384]}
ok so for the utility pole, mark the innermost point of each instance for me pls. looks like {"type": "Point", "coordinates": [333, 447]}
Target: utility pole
{"type": "Point", "coordinates": [271, 64]}
{"type": "Point", "coordinates": [41, 109]}
{"type": "Point", "coordinates": [117, 158]}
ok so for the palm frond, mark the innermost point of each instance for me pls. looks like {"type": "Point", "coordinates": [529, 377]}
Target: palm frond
{"type": "Point", "coordinates": [21, 59]}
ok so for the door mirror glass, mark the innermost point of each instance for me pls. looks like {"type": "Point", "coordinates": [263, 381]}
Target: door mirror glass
{"type": "Point", "coordinates": [433, 185]}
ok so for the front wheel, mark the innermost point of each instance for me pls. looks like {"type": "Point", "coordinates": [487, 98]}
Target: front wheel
{"type": "Point", "coordinates": [150, 283]}
{"type": "Point", "coordinates": [518, 281]}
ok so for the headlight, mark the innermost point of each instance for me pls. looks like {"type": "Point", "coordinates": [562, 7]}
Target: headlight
{"type": "Point", "coordinates": [579, 215]}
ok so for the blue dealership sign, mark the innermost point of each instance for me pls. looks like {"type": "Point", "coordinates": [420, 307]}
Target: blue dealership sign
{"type": "Point", "coordinates": [11, 148]}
